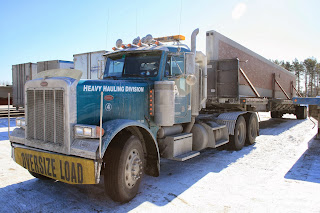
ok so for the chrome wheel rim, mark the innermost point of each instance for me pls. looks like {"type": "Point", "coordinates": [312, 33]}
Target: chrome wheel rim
{"type": "Point", "coordinates": [133, 168]}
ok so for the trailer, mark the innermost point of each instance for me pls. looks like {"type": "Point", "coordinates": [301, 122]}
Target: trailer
{"type": "Point", "coordinates": [240, 76]}
{"type": "Point", "coordinates": [54, 64]}
{"type": "Point", "coordinates": [157, 98]}
{"type": "Point", "coordinates": [91, 64]}
{"type": "Point", "coordinates": [21, 73]}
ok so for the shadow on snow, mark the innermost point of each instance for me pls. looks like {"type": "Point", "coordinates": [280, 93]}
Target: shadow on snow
{"type": "Point", "coordinates": [4, 124]}
{"type": "Point", "coordinates": [307, 168]}
{"type": "Point", "coordinates": [175, 178]}
{"type": "Point", "coordinates": [276, 126]}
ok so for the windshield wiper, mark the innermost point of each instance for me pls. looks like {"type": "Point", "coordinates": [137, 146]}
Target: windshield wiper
{"type": "Point", "coordinates": [132, 74]}
{"type": "Point", "coordinates": [112, 77]}
{"type": "Point", "coordinates": [136, 75]}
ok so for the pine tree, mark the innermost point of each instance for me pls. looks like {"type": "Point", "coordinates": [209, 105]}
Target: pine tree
{"type": "Point", "coordinates": [298, 70]}
{"type": "Point", "coordinates": [310, 65]}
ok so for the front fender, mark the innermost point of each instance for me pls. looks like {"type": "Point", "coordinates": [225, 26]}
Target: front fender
{"type": "Point", "coordinates": [113, 127]}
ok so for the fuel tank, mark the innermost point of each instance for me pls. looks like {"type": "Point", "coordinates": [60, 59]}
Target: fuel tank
{"type": "Point", "coordinates": [122, 99]}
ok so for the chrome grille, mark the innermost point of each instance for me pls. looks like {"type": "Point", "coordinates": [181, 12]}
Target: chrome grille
{"type": "Point", "coordinates": [45, 118]}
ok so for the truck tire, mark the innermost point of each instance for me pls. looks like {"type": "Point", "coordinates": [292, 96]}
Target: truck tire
{"type": "Point", "coordinates": [252, 129]}
{"type": "Point", "coordinates": [41, 177]}
{"type": "Point", "coordinates": [124, 169]}
{"type": "Point", "coordinates": [301, 112]}
{"type": "Point", "coordinates": [237, 140]}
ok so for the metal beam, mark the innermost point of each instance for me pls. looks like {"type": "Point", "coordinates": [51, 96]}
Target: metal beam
{"type": "Point", "coordinates": [296, 91]}
{"type": "Point", "coordinates": [284, 92]}
{"type": "Point", "coordinates": [249, 82]}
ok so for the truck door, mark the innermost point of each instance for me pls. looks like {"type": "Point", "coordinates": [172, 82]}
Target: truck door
{"type": "Point", "coordinates": [175, 70]}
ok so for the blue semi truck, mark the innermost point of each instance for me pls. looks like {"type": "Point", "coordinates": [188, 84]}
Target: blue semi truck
{"type": "Point", "coordinates": [154, 100]}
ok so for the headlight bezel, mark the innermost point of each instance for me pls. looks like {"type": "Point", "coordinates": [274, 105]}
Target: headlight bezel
{"type": "Point", "coordinates": [87, 131]}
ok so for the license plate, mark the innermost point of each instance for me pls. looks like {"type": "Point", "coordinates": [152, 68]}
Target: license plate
{"type": "Point", "coordinates": [67, 169]}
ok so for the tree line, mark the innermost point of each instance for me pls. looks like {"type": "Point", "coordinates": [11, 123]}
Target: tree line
{"type": "Point", "coordinates": [307, 73]}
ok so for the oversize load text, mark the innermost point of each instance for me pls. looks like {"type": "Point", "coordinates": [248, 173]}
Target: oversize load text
{"type": "Point", "coordinates": [56, 169]}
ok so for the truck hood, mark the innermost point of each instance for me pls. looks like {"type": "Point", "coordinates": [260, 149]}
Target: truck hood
{"type": "Point", "coordinates": [122, 99]}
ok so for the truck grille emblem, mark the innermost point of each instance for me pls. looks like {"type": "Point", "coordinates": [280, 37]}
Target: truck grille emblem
{"type": "Point", "coordinates": [44, 83]}
{"type": "Point", "coordinates": [108, 97]}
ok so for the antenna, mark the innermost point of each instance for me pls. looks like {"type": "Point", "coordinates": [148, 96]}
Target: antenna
{"type": "Point", "coordinates": [107, 30]}
{"type": "Point", "coordinates": [180, 23]}
{"type": "Point", "coordinates": [136, 21]}
{"type": "Point", "coordinates": [180, 15]}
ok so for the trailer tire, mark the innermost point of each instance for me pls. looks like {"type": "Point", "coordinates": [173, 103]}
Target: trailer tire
{"type": "Point", "coordinates": [252, 129]}
{"type": "Point", "coordinates": [41, 177]}
{"type": "Point", "coordinates": [124, 169]}
{"type": "Point", "coordinates": [301, 112]}
{"type": "Point", "coordinates": [237, 140]}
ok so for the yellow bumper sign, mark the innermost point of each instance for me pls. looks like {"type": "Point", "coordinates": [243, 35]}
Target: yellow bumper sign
{"type": "Point", "coordinates": [67, 169]}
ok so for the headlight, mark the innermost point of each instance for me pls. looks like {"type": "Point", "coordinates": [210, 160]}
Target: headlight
{"type": "Point", "coordinates": [87, 131]}
{"type": "Point", "coordinates": [78, 130]}
{"type": "Point", "coordinates": [20, 122]}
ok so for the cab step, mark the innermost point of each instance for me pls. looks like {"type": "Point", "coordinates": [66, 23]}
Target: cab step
{"type": "Point", "coordinates": [221, 142]}
{"type": "Point", "coordinates": [177, 147]}
{"type": "Point", "coordinates": [186, 156]}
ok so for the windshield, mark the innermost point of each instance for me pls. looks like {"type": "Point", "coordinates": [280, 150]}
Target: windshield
{"type": "Point", "coordinates": [133, 64]}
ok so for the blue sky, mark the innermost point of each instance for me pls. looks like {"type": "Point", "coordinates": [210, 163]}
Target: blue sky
{"type": "Point", "coordinates": [32, 31]}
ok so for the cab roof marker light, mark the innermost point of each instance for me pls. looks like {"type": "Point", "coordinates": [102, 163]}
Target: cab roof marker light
{"type": "Point", "coordinates": [123, 46]}
{"type": "Point", "coordinates": [143, 45]}
{"type": "Point", "coordinates": [131, 46]}
{"type": "Point", "coordinates": [158, 43]}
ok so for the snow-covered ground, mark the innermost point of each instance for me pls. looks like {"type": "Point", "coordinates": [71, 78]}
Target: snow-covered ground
{"type": "Point", "coordinates": [280, 173]}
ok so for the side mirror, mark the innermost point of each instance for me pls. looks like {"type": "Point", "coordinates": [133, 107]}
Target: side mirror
{"type": "Point", "coordinates": [191, 79]}
{"type": "Point", "coordinates": [190, 63]}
